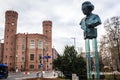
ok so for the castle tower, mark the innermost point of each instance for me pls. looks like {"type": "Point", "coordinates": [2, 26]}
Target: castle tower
{"type": "Point", "coordinates": [47, 31]}
{"type": "Point", "coordinates": [9, 38]}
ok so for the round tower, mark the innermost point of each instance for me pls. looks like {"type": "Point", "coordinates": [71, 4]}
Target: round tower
{"type": "Point", "coordinates": [9, 38]}
{"type": "Point", "coordinates": [47, 31]}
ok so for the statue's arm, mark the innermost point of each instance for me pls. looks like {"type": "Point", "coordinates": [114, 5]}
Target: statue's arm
{"type": "Point", "coordinates": [83, 24]}
{"type": "Point", "coordinates": [95, 21]}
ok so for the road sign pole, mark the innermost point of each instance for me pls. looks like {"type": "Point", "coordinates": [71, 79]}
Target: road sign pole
{"type": "Point", "coordinates": [41, 69]}
{"type": "Point", "coordinates": [47, 58]}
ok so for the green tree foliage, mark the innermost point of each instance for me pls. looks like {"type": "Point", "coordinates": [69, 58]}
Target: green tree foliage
{"type": "Point", "coordinates": [70, 62]}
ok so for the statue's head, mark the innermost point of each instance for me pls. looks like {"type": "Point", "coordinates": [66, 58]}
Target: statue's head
{"type": "Point", "coordinates": [87, 7]}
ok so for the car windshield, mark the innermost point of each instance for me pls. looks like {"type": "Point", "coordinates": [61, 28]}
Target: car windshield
{"type": "Point", "coordinates": [3, 69]}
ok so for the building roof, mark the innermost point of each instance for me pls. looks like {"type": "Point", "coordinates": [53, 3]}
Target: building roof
{"type": "Point", "coordinates": [34, 35]}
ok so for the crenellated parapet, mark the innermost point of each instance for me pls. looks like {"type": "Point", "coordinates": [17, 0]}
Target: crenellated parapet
{"type": "Point", "coordinates": [47, 23]}
{"type": "Point", "coordinates": [11, 13]}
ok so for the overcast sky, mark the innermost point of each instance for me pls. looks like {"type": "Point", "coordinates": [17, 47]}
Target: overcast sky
{"type": "Point", "coordinates": [65, 15]}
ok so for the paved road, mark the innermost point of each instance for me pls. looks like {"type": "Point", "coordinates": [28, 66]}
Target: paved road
{"type": "Point", "coordinates": [21, 75]}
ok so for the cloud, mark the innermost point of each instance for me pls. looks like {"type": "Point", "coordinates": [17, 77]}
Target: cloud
{"type": "Point", "coordinates": [65, 15]}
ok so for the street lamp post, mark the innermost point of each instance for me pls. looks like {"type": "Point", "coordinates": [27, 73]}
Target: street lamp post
{"type": "Point", "coordinates": [74, 41]}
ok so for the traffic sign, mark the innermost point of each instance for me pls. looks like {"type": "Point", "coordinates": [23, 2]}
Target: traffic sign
{"type": "Point", "coordinates": [41, 65]}
{"type": "Point", "coordinates": [47, 57]}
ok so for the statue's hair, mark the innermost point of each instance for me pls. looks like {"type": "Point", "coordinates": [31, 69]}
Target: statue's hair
{"type": "Point", "coordinates": [87, 4]}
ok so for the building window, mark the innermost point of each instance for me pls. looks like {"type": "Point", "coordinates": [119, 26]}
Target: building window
{"type": "Point", "coordinates": [31, 56]}
{"type": "Point", "coordinates": [23, 59]}
{"type": "Point", "coordinates": [40, 58]}
{"type": "Point", "coordinates": [46, 49]}
{"type": "Point", "coordinates": [32, 44]}
{"type": "Point", "coordinates": [46, 43]}
{"type": "Point", "coordinates": [10, 63]}
{"type": "Point", "coordinates": [6, 42]}
{"type": "Point", "coordinates": [8, 30]}
{"type": "Point", "coordinates": [10, 56]}
{"type": "Point", "coordinates": [46, 31]}
{"type": "Point", "coordinates": [21, 66]}
{"type": "Point", "coordinates": [31, 66]}
{"type": "Point", "coordinates": [24, 41]}
{"type": "Point", "coordinates": [23, 47]}
{"type": "Point", "coordinates": [40, 44]}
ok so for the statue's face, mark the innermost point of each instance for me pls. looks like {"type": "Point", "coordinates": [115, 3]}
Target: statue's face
{"type": "Point", "coordinates": [87, 10]}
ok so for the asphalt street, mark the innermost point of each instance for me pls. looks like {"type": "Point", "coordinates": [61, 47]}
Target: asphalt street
{"type": "Point", "coordinates": [22, 75]}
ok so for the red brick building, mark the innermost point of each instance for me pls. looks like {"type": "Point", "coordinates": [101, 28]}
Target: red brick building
{"type": "Point", "coordinates": [1, 52]}
{"type": "Point", "coordinates": [26, 51]}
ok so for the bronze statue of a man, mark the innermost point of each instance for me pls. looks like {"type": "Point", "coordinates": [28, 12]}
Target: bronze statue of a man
{"type": "Point", "coordinates": [89, 22]}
